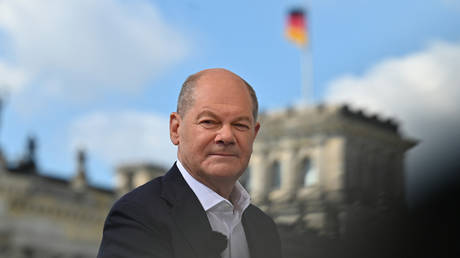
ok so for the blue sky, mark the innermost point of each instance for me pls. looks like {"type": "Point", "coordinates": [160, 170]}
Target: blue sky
{"type": "Point", "coordinates": [105, 75]}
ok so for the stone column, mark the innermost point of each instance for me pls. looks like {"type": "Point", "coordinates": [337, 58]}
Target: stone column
{"type": "Point", "coordinates": [289, 171]}
{"type": "Point", "coordinates": [331, 175]}
{"type": "Point", "coordinates": [287, 176]}
{"type": "Point", "coordinates": [259, 178]}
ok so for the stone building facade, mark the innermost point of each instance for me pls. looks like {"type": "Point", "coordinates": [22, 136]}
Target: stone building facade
{"type": "Point", "coordinates": [309, 165]}
{"type": "Point", "coordinates": [42, 216]}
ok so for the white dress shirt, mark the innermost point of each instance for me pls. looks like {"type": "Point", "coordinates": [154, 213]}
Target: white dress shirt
{"type": "Point", "coordinates": [223, 215]}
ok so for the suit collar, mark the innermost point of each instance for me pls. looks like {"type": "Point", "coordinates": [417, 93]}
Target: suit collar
{"type": "Point", "coordinates": [189, 215]}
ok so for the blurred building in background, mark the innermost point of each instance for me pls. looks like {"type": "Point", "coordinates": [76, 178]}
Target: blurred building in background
{"type": "Point", "coordinates": [42, 216]}
{"type": "Point", "coordinates": [325, 169]}
{"type": "Point", "coordinates": [310, 166]}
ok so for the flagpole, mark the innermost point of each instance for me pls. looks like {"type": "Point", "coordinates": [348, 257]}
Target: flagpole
{"type": "Point", "coordinates": [307, 61]}
{"type": "Point", "coordinates": [297, 31]}
{"type": "Point", "coordinates": [306, 66]}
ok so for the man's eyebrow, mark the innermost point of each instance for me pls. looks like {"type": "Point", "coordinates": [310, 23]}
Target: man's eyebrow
{"type": "Point", "coordinates": [243, 118]}
{"type": "Point", "coordinates": [206, 113]}
{"type": "Point", "coordinates": [213, 115]}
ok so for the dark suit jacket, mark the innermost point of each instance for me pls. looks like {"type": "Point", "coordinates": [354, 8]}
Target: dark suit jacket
{"type": "Point", "coordinates": [164, 218]}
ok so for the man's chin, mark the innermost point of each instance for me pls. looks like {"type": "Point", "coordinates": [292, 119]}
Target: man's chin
{"type": "Point", "coordinates": [225, 169]}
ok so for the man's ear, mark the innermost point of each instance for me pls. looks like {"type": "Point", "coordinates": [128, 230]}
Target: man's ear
{"type": "Point", "coordinates": [256, 129]}
{"type": "Point", "coordinates": [174, 123]}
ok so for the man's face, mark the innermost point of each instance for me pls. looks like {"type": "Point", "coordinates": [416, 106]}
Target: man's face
{"type": "Point", "coordinates": [216, 134]}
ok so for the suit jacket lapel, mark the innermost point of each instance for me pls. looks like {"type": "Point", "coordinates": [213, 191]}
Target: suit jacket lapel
{"type": "Point", "coordinates": [187, 212]}
{"type": "Point", "coordinates": [253, 237]}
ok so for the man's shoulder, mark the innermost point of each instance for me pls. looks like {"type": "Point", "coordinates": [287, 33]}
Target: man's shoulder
{"type": "Point", "coordinates": [144, 193]}
{"type": "Point", "coordinates": [254, 214]}
{"type": "Point", "coordinates": [154, 189]}
{"type": "Point", "coordinates": [138, 224]}
{"type": "Point", "coordinates": [142, 203]}
{"type": "Point", "coordinates": [254, 210]}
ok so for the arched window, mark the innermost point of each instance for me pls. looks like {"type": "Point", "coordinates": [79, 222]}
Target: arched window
{"type": "Point", "coordinates": [276, 175]}
{"type": "Point", "coordinates": [309, 172]}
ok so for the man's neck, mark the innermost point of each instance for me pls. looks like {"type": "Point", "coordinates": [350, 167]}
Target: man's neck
{"type": "Point", "coordinates": [222, 187]}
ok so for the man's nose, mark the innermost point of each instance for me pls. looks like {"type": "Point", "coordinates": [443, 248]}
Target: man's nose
{"type": "Point", "coordinates": [225, 135]}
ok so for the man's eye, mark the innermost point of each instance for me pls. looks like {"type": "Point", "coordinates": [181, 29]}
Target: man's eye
{"type": "Point", "coordinates": [242, 127]}
{"type": "Point", "coordinates": [208, 123]}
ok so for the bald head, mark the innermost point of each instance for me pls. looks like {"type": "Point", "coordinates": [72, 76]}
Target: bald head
{"type": "Point", "coordinates": [186, 95]}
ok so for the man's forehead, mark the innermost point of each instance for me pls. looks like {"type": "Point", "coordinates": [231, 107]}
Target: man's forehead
{"type": "Point", "coordinates": [219, 86]}
{"type": "Point", "coordinates": [228, 90]}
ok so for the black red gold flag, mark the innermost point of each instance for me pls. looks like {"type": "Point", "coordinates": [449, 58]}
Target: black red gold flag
{"type": "Point", "coordinates": [296, 27]}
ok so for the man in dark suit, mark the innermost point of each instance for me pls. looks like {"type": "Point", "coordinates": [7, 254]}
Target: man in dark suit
{"type": "Point", "coordinates": [199, 209]}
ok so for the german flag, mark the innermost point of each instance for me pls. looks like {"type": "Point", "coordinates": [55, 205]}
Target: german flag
{"type": "Point", "coordinates": [296, 27]}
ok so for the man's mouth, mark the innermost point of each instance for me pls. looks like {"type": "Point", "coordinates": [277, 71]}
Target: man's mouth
{"type": "Point", "coordinates": [223, 154]}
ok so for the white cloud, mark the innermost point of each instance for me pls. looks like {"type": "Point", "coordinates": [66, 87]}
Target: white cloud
{"type": "Point", "coordinates": [11, 79]}
{"type": "Point", "coordinates": [81, 48]}
{"type": "Point", "coordinates": [128, 136]}
{"type": "Point", "coordinates": [417, 88]}
{"type": "Point", "coordinates": [422, 91]}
